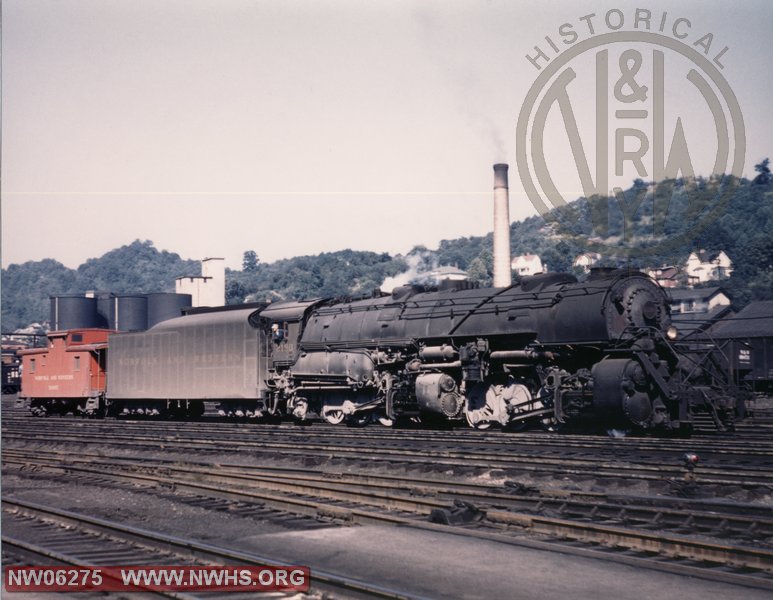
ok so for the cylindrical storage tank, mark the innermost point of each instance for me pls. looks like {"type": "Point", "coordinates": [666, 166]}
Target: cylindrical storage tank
{"type": "Point", "coordinates": [74, 312]}
{"type": "Point", "coordinates": [129, 313]}
{"type": "Point", "coordinates": [165, 305]}
{"type": "Point", "coordinates": [105, 305]}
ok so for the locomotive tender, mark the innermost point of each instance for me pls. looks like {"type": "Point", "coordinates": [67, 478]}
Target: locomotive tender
{"type": "Point", "coordinates": [548, 350]}
{"type": "Point", "coordinates": [177, 365]}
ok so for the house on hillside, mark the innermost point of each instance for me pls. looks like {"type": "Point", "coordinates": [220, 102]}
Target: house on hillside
{"type": "Point", "coordinates": [703, 266]}
{"type": "Point", "coordinates": [698, 310]}
{"type": "Point", "coordinates": [527, 264]}
{"type": "Point", "coordinates": [666, 275]}
{"type": "Point", "coordinates": [586, 261]}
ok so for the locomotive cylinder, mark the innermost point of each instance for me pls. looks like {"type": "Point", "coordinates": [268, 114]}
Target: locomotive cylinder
{"type": "Point", "coordinates": [437, 393]}
{"type": "Point", "coordinates": [621, 393]}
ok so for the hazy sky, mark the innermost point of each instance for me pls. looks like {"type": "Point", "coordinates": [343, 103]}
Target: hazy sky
{"type": "Point", "coordinates": [291, 127]}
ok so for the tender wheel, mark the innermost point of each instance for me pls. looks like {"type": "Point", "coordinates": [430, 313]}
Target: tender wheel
{"type": "Point", "coordinates": [196, 410]}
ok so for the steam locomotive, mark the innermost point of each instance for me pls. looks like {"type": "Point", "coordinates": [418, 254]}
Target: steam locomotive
{"type": "Point", "coordinates": [549, 350]}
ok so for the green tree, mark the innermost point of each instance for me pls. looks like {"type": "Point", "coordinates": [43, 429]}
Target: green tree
{"type": "Point", "coordinates": [26, 289]}
{"type": "Point", "coordinates": [235, 292]}
{"type": "Point", "coordinates": [138, 267]}
{"type": "Point", "coordinates": [763, 168]}
{"type": "Point", "coordinates": [478, 272]}
{"type": "Point", "coordinates": [250, 261]}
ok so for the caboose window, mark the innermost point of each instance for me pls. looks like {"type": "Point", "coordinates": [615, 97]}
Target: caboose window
{"type": "Point", "coordinates": [32, 365]}
{"type": "Point", "coordinates": [77, 365]}
{"type": "Point", "coordinates": [77, 337]}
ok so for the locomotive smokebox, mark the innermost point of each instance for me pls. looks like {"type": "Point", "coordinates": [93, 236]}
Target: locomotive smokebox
{"type": "Point", "coordinates": [502, 276]}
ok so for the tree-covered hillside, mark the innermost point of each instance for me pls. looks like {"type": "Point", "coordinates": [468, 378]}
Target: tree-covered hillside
{"type": "Point", "coordinates": [325, 275]}
{"type": "Point", "coordinates": [742, 229]}
{"type": "Point", "coordinates": [138, 267]}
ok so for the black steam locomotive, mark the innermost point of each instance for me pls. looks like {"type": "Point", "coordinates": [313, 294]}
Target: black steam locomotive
{"type": "Point", "coordinates": [548, 350]}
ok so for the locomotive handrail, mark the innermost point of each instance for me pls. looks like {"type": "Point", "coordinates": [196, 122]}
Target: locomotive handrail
{"type": "Point", "coordinates": [418, 303]}
{"type": "Point", "coordinates": [707, 356]}
{"type": "Point", "coordinates": [356, 344]}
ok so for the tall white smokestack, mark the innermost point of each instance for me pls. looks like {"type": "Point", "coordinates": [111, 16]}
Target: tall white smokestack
{"type": "Point", "coordinates": [502, 275]}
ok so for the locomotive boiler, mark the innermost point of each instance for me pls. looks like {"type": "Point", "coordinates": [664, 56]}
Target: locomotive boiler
{"type": "Point", "coordinates": [549, 349]}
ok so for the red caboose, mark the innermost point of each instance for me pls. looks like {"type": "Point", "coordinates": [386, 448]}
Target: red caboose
{"type": "Point", "coordinates": [69, 375]}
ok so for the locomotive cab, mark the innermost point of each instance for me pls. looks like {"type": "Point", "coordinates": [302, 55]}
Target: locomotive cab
{"type": "Point", "coordinates": [281, 326]}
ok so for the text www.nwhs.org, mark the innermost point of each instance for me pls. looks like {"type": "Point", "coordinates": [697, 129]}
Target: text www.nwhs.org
{"type": "Point", "coordinates": [157, 579]}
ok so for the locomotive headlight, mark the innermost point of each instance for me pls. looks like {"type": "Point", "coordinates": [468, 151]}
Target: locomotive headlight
{"type": "Point", "coordinates": [672, 333]}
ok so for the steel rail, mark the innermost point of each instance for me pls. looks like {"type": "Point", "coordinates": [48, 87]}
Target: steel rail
{"type": "Point", "coordinates": [716, 444]}
{"type": "Point", "coordinates": [597, 468]}
{"type": "Point", "coordinates": [45, 556]}
{"type": "Point", "coordinates": [421, 485]}
{"type": "Point", "coordinates": [670, 545]}
{"type": "Point", "coordinates": [209, 553]}
{"type": "Point", "coordinates": [726, 519]}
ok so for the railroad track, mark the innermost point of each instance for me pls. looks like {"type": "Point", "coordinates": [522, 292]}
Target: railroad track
{"type": "Point", "coordinates": [757, 425]}
{"type": "Point", "coordinates": [729, 520]}
{"type": "Point", "coordinates": [70, 538]}
{"type": "Point", "coordinates": [42, 538]}
{"type": "Point", "coordinates": [648, 529]}
{"type": "Point", "coordinates": [731, 445]}
{"type": "Point", "coordinates": [537, 458]}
